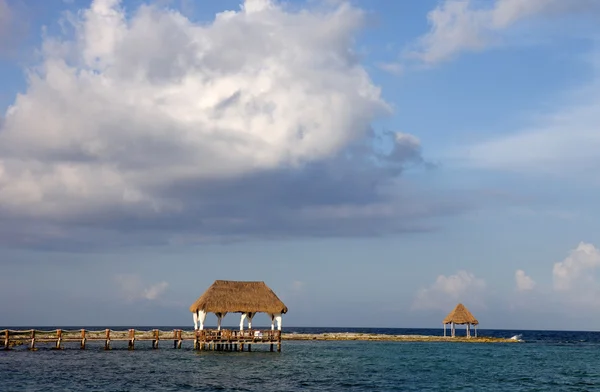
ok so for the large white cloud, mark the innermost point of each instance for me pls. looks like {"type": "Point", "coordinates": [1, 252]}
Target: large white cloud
{"type": "Point", "coordinates": [471, 25]}
{"type": "Point", "coordinates": [447, 291]}
{"type": "Point", "coordinates": [142, 119]}
{"type": "Point", "coordinates": [128, 105]}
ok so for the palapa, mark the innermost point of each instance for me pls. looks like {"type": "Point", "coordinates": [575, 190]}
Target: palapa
{"type": "Point", "coordinates": [228, 296]}
{"type": "Point", "coordinates": [460, 315]}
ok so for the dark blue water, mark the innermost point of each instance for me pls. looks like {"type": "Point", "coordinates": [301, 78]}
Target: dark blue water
{"type": "Point", "coordinates": [546, 361]}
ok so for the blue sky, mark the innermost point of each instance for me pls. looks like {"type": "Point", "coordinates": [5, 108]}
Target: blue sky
{"type": "Point", "coordinates": [374, 162]}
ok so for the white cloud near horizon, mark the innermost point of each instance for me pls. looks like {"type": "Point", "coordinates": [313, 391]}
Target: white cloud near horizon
{"type": "Point", "coordinates": [132, 288]}
{"type": "Point", "coordinates": [524, 282]}
{"type": "Point", "coordinates": [449, 290]}
{"type": "Point", "coordinates": [143, 119]}
{"type": "Point", "coordinates": [470, 25]}
{"type": "Point", "coordinates": [577, 270]}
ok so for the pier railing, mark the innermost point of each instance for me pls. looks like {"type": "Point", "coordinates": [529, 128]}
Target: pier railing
{"type": "Point", "coordinates": [210, 339]}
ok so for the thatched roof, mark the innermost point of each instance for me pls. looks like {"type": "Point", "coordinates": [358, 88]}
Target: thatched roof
{"type": "Point", "coordinates": [239, 297]}
{"type": "Point", "coordinates": [460, 315]}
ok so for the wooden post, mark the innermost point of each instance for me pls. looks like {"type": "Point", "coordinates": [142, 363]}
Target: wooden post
{"type": "Point", "coordinates": [32, 345]}
{"type": "Point", "coordinates": [132, 339]}
{"type": "Point", "coordinates": [83, 339]}
{"type": "Point", "coordinates": [196, 341]}
{"type": "Point", "coordinates": [6, 339]}
{"type": "Point", "coordinates": [249, 347]}
{"type": "Point", "coordinates": [107, 342]}
{"type": "Point", "coordinates": [155, 341]}
{"type": "Point", "coordinates": [179, 339]}
{"type": "Point", "coordinates": [58, 338]}
{"type": "Point", "coordinates": [278, 341]}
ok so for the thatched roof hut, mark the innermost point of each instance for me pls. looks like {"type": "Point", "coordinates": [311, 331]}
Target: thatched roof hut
{"type": "Point", "coordinates": [248, 298]}
{"type": "Point", "coordinates": [462, 316]}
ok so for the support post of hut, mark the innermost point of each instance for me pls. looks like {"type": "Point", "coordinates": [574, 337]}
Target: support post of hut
{"type": "Point", "coordinates": [278, 341]}
{"type": "Point", "coordinates": [155, 340]}
{"type": "Point", "coordinates": [107, 341]}
{"type": "Point", "coordinates": [131, 344]}
{"type": "Point", "coordinates": [83, 339]}
{"type": "Point", "coordinates": [32, 344]}
{"type": "Point", "coordinates": [58, 338]}
{"type": "Point", "coordinates": [177, 338]}
{"type": "Point", "coordinates": [6, 339]}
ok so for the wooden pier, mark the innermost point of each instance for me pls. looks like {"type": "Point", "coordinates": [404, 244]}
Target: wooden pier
{"type": "Point", "coordinates": [207, 339]}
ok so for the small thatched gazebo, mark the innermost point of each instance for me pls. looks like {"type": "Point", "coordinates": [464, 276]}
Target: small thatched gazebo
{"type": "Point", "coordinates": [460, 315]}
{"type": "Point", "coordinates": [247, 298]}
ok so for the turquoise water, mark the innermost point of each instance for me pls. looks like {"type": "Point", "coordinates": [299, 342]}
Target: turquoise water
{"type": "Point", "coordinates": [560, 361]}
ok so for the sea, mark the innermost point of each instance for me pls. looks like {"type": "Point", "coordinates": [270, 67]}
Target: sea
{"type": "Point", "coordinates": [542, 361]}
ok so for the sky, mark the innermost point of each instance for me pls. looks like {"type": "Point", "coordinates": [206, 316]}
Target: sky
{"type": "Point", "coordinates": [374, 162]}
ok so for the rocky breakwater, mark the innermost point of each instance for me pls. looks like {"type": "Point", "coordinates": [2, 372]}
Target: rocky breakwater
{"type": "Point", "coordinates": [393, 338]}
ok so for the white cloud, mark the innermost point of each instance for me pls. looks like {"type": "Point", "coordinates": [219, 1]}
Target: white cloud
{"type": "Point", "coordinates": [131, 105]}
{"type": "Point", "coordinates": [132, 288]}
{"type": "Point", "coordinates": [449, 290]}
{"type": "Point", "coordinates": [155, 291]}
{"type": "Point", "coordinates": [576, 271]}
{"type": "Point", "coordinates": [468, 25]}
{"type": "Point", "coordinates": [395, 68]}
{"type": "Point", "coordinates": [145, 116]}
{"type": "Point", "coordinates": [524, 282]}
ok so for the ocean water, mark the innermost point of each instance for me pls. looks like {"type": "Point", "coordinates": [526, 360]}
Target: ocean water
{"type": "Point", "coordinates": [545, 361]}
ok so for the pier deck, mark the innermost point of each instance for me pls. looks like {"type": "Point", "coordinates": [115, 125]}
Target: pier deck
{"type": "Point", "coordinates": [207, 339]}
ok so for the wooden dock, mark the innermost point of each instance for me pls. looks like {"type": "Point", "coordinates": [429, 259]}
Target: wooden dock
{"type": "Point", "coordinates": [207, 339]}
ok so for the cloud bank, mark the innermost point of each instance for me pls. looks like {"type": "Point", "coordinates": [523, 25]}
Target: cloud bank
{"type": "Point", "coordinates": [140, 126]}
